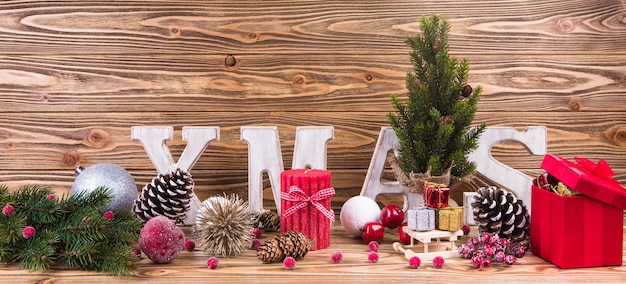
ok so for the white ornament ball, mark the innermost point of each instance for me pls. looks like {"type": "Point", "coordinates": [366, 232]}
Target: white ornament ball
{"type": "Point", "coordinates": [356, 212]}
{"type": "Point", "coordinates": [122, 187]}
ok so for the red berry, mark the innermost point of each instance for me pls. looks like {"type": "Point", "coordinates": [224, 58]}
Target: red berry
{"type": "Point", "coordinates": [484, 237]}
{"type": "Point", "coordinates": [438, 262]}
{"type": "Point", "coordinates": [373, 246]}
{"type": "Point", "coordinates": [256, 233]}
{"type": "Point", "coordinates": [51, 196]}
{"type": "Point", "coordinates": [485, 263]}
{"type": "Point", "coordinates": [519, 252]}
{"type": "Point", "coordinates": [509, 259]}
{"type": "Point", "coordinates": [289, 263]}
{"type": "Point", "coordinates": [189, 245]}
{"type": "Point", "coordinates": [476, 261]}
{"type": "Point", "coordinates": [489, 250]}
{"type": "Point", "coordinates": [137, 251]}
{"type": "Point", "coordinates": [392, 216]}
{"type": "Point", "coordinates": [336, 256]}
{"type": "Point", "coordinates": [466, 229]}
{"type": "Point", "coordinates": [499, 257]}
{"type": "Point", "coordinates": [28, 232]}
{"type": "Point", "coordinates": [212, 262]}
{"type": "Point", "coordinates": [372, 257]}
{"type": "Point", "coordinates": [402, 235]}
{"type": "Point", "coordinates": [414, 262]}
{"type": "Point", "coordinates": [109, 216]}
{"type": "Point", "coordinates": [256, 243]}
{"type": "Point", "coordinates": [8, 210]}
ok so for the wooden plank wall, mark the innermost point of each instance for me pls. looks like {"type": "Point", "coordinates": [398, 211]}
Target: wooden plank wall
{"type": "Point", "coordinates": [76, 75]}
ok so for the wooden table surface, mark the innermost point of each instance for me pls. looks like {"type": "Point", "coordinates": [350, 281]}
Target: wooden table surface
{"type": "Point", "coordinates": [316, 267]}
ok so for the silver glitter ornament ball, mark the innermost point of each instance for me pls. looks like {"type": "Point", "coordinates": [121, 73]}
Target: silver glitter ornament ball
{"type": "Point", "coordinates": [121, 184]}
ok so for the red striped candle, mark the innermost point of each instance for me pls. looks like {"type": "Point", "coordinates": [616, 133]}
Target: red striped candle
{"type": "Point", "coordinates": [305, 204]}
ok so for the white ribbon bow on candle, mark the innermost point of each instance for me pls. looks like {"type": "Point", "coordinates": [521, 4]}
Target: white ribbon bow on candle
{"type": "Point", "coordinates": [296, 194]}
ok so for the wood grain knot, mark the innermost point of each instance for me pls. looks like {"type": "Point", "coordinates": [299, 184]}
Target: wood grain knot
{"type": "Point", "coordinates": [230, 61]}
{"type": "Point", "coordinates": [45, 97]}
{"type": "Point", "coordinates": [298, 80]}
{"type": "Point", "coordinates": [575, 104]}
{"type": "Point", "coordinates": [175, 31]}
{"type": "Point", "coordinates": [97, 137]}
{"type": "Point", "coordinates": [71, 158]}
{"type": "Point", "coordinates": [369, 77]}
{"type": "Point", "coordinates": [565, 25]}
{"type": "Point", "coordinates": [617, 135]}
{"type": "Point", "coordinates": [252, 36]}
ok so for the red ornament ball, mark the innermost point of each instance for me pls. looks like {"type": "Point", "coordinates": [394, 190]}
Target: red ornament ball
{"type": "Point", "coordinates": [189, 245]}
{"type": "Point", "coordinates": [161, 240]}
{"type": "Point", "coordinates": [257, 233]}
{"type": "Point", "coordinates": [438, 262]}
{"type": "Point", "coordinates": [109, 216]}
{"type": "Point", "coordinates": [289, 263]}
{"type": "Point", "coordinates": [336, 256]}
{"type": "Point", "coordinates": [466, 229]}
{"type": "Point", "coordinates": [402, 235]}
{"type": "Point", "coordinates": [415, 262]}
{"type": "Point", "coordinates": [212, 262]}
{"type": "Point", "coordinates": [373, 246]}
{"type": "Point", "coordinates": [29, 232]}
{"type": "Point", "coordinates": [8, 210]}
{"type": "Point", "coordinates": [372, 257]}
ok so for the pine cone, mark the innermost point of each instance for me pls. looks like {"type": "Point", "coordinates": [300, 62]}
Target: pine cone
{"type": "Point", "coordinates": [267, 220]}
{"type": "Point", "coordinates": [502, 213]}
{"type": "Point", "coordinates": [289, 244]}
{"type": "Point", "coordinates": [166, 195]}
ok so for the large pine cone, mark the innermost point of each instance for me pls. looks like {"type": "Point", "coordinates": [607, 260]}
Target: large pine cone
{"type": "Point", "coordinates": [267, 220]}
{"type": "Point", "coordinates": [166, 195]}
{"type": "Point", "coordinates": [289, 244]}
{"type": "Point", "coordinates": [502, 213]}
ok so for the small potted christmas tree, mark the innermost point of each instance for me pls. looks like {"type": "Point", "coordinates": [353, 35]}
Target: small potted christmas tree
{"type": "Point", "coordinates": [433, 124]}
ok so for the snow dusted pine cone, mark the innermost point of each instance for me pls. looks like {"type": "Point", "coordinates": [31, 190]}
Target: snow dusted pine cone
{"type": "Point", "coordinates": [166, 195]}
{"type": "Point", "coordinates": [502, 213]}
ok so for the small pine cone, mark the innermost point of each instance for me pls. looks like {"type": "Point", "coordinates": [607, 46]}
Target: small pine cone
{"type": "Point", "coordinates": [289, 244]}
{"type": "Point", "coordinates": [466, 91]}
{"type": "Point", "coordinates": [267, 220]}
{"type": "Point", "coordinates": [166, 195]}
{"type": "Point", "coordinates": [502, 213]}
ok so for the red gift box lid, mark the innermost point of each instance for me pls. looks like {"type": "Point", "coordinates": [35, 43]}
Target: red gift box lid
{"type": "Point", "coordinates": [585, 181]}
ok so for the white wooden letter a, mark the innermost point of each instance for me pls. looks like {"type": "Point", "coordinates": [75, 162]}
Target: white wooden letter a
{"type": "Point", "coordinates": [373, 186]}
{"type": "Point", "coordinates": [153, 140]}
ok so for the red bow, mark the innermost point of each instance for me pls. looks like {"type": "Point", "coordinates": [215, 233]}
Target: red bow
{"type": "Point", "coordinates": [602, 169]}
{"type": "Point", "coordinates": [296, 194]}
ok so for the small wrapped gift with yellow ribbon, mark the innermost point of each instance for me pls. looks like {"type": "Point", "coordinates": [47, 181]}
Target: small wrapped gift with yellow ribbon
{"type": "Point", "coordinates": [450, 218]}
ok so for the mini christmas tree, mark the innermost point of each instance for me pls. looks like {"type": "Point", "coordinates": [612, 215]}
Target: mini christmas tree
{"type": "Point", "coordinates": [433, 124]}
{"type": "Point", "coordinates": [38, 230]}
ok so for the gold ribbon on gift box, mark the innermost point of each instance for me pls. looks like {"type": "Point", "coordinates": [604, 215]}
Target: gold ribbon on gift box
{"type": "Point", "coordinates": [450, 218]}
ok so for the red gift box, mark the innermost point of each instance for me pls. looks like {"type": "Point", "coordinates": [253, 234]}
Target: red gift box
{"type": "Point", "coordinates": [578, 231]}
{"type": "Point", "coordinates": [305, 204]}
{"type": "Point", "coordinates": [436, 195]}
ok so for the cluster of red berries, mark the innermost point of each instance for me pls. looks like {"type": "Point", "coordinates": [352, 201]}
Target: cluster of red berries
{"type": "Point", "coordinates": [490, 248]}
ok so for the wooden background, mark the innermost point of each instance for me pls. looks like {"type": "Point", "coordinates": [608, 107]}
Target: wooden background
{"type": "Point", "coordinates": [76, 75]}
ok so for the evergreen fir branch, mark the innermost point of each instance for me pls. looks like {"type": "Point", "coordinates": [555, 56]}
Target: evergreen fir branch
{"type": "Point", "coordinates": [78, 236]}
{"type": "Point", "coordinates": [432, 122]}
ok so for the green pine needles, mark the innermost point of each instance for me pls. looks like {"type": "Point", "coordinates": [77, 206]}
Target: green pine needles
{"type": "Point", "coordinates": [433, 124]}
{"type": "Point", "coordinates": [38, 230]}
